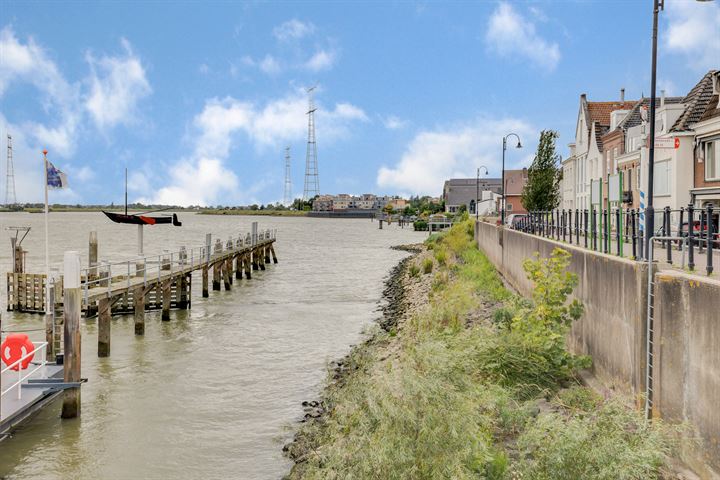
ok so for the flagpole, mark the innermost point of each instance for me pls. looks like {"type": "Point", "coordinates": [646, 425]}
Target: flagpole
{"type": "Point", "coordinates": [47, 239]}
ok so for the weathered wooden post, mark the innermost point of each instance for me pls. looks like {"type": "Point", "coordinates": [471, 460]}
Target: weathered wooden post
{"type": "Point", "coordinates": [104, 327]}
{"type": "Point", "coordinates": [166, 300]}
{"type": "Point", "coordinates": [71, 362]}
{"type": "Point", "coordinates": [272, 251]}
{"type": "Point", "coordinates": [266, 250]}
{"type": "Point", "coordinates": [139, 310]}
{"type": "Point", "coordinates": [261, 258]}
{"type": "Point", "coordinates": [246, 263]}
{"type": "Point", "coordinates": [380, 224]}
{"type": "Point", "coordinates": [93, 255]}
{"type": "Point", "coordinates": [226, 277]}
{"type": "Point", "coordinates": [205, 292]}
{"type": "Point", "coordinates": [238, 267]}
{"type": "Point", "coordinates": [217, 266]}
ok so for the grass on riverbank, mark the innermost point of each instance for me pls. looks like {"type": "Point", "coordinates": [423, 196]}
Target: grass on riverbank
{"type": "Point", "coordinates": [446, 395]}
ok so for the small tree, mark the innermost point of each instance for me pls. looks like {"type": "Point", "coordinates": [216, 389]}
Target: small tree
{"type": "Point", "coordinates": [542, 191]}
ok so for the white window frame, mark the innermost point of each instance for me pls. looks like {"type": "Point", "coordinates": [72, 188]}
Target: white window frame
{"type": "Point", "coordinates": [715, 142]}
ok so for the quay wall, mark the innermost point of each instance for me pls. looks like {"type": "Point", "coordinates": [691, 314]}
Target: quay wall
{"type": "Point", "coordinates": [612, 330]}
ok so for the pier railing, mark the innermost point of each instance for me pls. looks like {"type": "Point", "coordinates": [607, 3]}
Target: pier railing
{"type": "Point", "coordinates": [23, 374]}
{"type": "Point", "coordinates": [109, 275]}
{"type": "Point", "coordinates": [679, 236]}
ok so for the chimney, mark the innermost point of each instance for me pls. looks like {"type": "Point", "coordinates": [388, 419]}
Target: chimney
{"type": "Point", "coordinates": [662, 98]}
{"type": "Point", "coordinates": [622, 95]}
{"type": "Point", "coordinates": [583, 97]}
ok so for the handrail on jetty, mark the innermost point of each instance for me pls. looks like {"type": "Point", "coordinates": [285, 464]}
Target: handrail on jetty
{"type": "Point", "coordinates": [105, 278]}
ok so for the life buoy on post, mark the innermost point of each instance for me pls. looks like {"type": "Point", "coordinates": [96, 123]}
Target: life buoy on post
{"type": "Point", "coordinates": [16, 346]}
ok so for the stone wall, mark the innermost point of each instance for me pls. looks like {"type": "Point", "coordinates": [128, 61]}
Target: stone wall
{"type": "Point", "coordinates": [613, 328]}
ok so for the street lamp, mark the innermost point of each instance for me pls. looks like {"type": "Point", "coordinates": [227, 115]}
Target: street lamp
{"type": "Point", "coordinates": [519, 145]}
{"type": "Point", "coordinates": [477, 190]}
{"type": "Point", "coordinates": [649, 210]}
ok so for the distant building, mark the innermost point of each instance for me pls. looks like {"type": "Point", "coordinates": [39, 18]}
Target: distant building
{"type": "Point", "coordinates": [465, 191]}
{"type": "Point", "coordinates": [398, 203]}
{"type": "Point", "coordinates": [323, 203]}
{"type": "Point", "coordinates": [343, 201]}
{"type": "Point", "coordinates": [515, 181]}
{"type": "Point", "coordinates": [366, 201]}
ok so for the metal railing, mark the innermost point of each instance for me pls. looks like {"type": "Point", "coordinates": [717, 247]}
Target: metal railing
{"type": "Point", "coordinates": [150, 267]}
{"type": "Point", "coordinates": [39, 347]}
{"type": "Point", "coordinates": [619, 231]}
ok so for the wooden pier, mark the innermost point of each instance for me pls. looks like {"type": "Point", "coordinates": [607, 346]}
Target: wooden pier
{"type": "Point", "coordinates": [160, 282]}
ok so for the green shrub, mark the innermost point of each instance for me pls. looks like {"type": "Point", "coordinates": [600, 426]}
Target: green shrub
{"type": "Point", "coordinates": [440, 255]}
{"type": "Point", "coordinates": [414, 270]}
{"type": "Point", "coordinates": [427, 265]}
{"type": "Point", "coordinates": [611, 443]}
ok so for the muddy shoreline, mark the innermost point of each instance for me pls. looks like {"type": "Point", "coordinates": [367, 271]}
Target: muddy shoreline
{"type": "Point", "coordinates": [394, 307]}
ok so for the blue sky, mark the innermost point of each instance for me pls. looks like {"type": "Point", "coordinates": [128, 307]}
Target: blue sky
{"type": "Point", "coordinates": [199, 99]}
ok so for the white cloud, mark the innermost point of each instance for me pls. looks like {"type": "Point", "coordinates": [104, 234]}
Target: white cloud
{"type": "Point", "coordinates": [694, 31]}
{"type": "Point", "coordinates": [321, 60]}
{"type": "Point", "coordinates": [270, 65]}
{"type": "Point", "coordinates": [434, 156]}
{"type": "Point", "coordinates": [204, 178]}
{"type": "Point", "coordinates": [391, 122]}
{"type": "Point", "coordinates": [293, 29]}
{"type": "Point", "coordinates": [29, 63]}
{"type": "Point", "coordinates": [509, 34]}
{"type": "Point", "coordinates": [116, 86]}
{"type": "Point", "coordinates": [204, 69]}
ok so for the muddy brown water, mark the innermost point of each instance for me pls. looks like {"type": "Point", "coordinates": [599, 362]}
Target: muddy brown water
{"type": "Point", "coordinates": [215, 392]}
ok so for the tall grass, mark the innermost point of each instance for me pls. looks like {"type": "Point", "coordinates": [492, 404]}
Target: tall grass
{"type": "Point", "coordinates": [459, 400]}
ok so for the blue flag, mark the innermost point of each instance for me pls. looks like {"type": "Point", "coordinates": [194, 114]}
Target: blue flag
{"type": "Point", "coordinates": [55, 178]}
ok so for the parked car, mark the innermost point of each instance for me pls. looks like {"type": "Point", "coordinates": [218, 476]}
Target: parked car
{"type": "Point", "coordinates": [698, 234]}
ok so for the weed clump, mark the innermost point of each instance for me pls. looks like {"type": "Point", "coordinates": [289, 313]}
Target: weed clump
{"type": "Point", "coordinates": [414, 270]}
{"type": "Point", "coordinates": [427, 266]}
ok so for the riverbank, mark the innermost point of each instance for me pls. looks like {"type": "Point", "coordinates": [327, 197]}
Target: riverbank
{"type": "Point", "coordinates": [265, 212]}
{"type": "Point", "coordinates": [462, 379]}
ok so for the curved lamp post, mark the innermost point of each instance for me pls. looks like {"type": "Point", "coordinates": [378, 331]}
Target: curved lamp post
{"type": "Point", "coordinates": [519, 145]}
{"type": "Point", "coordinates": [477, 190]}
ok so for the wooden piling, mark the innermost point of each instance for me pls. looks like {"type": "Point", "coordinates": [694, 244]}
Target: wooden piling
{"type": "Point", "coordinates": [238, 267]}
{"type": "Point", "coordinates": [139, 310]}
{"type": "Point", "coordinates": [104, 315]}
{"type": "Point", "coordinates": [246, 263]}
{"type": "Point", "coordinates": [229, 268]}
{"type": "Point", "coordinates": [205, 292]}
{"type": "Point", "coordinates": [226, 276]}
{"type": "Point", "coordinates": [217, 271]}
{"type": "Point", "coordinates": [71, 363]}
{"type": "Point", "coordinates": [253, 259]}
{"type": "Point", "coordinates": [166, 301]}
{"type": "Point", "coordinates": [272, 251]}
{"type": "Point", "coordinates": [266, 251]}
{"type": "Point", "coordinates": [261, 259]}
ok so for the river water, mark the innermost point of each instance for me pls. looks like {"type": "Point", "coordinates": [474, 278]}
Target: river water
{"type": "Point", "coordinates": [215, 392]}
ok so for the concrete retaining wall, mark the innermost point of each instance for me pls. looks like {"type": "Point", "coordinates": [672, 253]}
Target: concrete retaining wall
{"type": "Point", "coordinates": [613, 329]}
{"type": "Point", "coordinates": [613, 291]}
{"type": "Point", "coordinates": [687, 356]}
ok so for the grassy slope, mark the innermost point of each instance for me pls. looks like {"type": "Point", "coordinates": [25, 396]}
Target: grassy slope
{"type": "Point", "coordinates": [442, 397]}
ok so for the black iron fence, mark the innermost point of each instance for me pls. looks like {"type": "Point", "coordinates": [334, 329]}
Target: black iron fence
{"type": "Point", "coordinates": [686, 233]}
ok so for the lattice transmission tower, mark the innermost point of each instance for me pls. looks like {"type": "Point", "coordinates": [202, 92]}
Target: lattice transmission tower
{"type": "Point", "coordinates": [287, 196]}
{"type": "Point", "coordinates": [312, 180]}
{"type": "Point", "coordinates": [10, 198]}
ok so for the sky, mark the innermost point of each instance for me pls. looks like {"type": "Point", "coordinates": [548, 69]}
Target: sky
{"type": "Point", "coordinates": [198, 100]}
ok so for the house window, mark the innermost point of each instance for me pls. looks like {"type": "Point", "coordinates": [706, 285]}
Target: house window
{"type": "Point", "coordinates": [508, 207]}
{"type": "Point", "coordinates": [662, 178]}
{"type": "Point", "coordinates": [628, 182]}
{"type": "Point", "coordinates": [711, 150]}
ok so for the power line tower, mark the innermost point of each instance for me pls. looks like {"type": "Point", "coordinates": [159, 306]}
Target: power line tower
{"type": "Point", "coordinates": [312, 180]}
{"type": "Point", "coordinates": [287, 196]}
{"type": "Point", "coordinates": [10, 198]}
